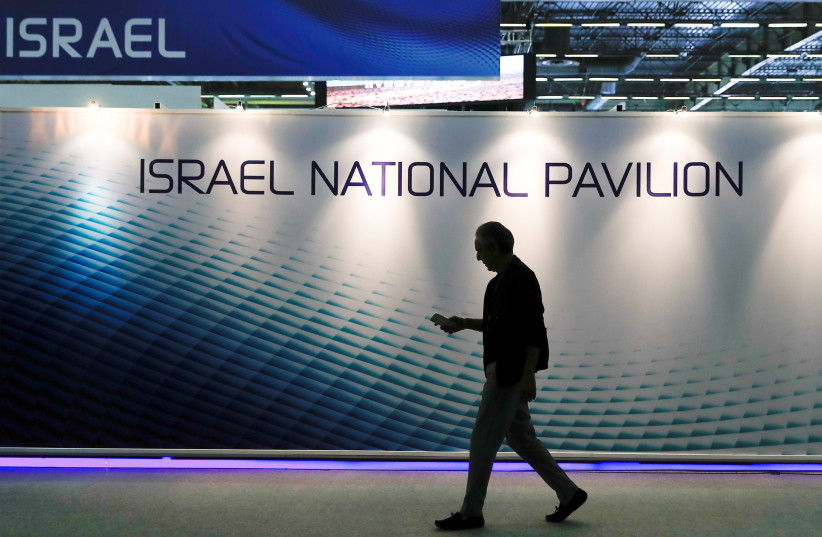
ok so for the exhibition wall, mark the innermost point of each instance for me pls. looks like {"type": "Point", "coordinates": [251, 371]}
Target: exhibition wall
{"type": "Point", "coordinates": [263, 280]}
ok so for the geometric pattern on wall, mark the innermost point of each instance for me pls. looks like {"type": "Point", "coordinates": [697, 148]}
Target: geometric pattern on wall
{"type": "Point", "coordinates": [128, 324]}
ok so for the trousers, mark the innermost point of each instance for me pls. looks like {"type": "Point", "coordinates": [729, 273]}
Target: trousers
{"type": "Point", "coordinates": [503, 415]}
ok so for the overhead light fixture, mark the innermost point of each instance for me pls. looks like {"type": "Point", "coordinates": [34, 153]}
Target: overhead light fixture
{"type": "Point", "coordinates": [706, 80]}
{"type": "Point", "coordinates": [551, 97]}
{"type": "Point", "coordinates": [773, 98]}
{"type": "Point", "coordinates": [787, 25]}
{"type": "Point", "coordinates": [744, 55]}
{"type": "Point", "coordinates": [783, 55]}
{"type": "Point", "coordinates": [674, 79]}
{"type": "Point", "coordinates": [294, 96]}
{"type": "Point", "coordinates": [814, 56]}
{"type": "Point", "coordinates": [812, 79]}
{"type": "Point", "coordinates": [780, 80]}
{"type": "Point", "coordinates": [639, 80]}
{"type": "Point", "coordinates": [581, 97]}
{"type": "Point", "coordinates": [804, 98]}
{"type": "Point", "coordinates": [681, 112]}
{"type": "Point", "coordinates": [677, 98]}
{"type": "Point", "coordinates": [600, 24]}
{"type": "Point", "coordinates": [745, 79]}
{"type": "Point", "coordinates": [645, 98]}
{"type": "Point", "coordinates": [553, 25]}
{"type": "Point", "coordinates": [741, 98]}
{"type": "Point", "coordinates": [740, 25]}
{"type": "Point", "coordinates": [662, 56]}
{"type": "Point", "coordinates": [546, 55]}
{"type": "Point", "coordinates": [513, 25]}
{"type": "Point", "coordinates": [614, 97]}
{"type": "Point", "coordinates": [582, 55]}
{"type": "Point", "coordinates": [603, 79]}
{"type": "Point", "coordinates": [647, 24]}
{"type": "Point", "coordinates": [693, 25]}
{"type": "Point", "coordinates": [568, 79]}
{"type": "Point", "coordinates": [541, 79]}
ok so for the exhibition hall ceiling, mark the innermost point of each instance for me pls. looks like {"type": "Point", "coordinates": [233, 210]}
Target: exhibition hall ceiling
{"type": "Point", "coordinates": [746, 55]}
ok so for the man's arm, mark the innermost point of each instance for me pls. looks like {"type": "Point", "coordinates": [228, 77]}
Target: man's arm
{"type": "Point", "coordinates": [456, 324]}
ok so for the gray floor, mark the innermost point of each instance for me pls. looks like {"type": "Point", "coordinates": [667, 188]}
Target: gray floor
{"type": "Point", "coordinates": [90, 503]}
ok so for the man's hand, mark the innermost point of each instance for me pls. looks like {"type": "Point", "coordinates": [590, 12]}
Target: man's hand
{"type": "Point", "coordinates": [528, 386]}
{"type": "Point", "coordinates": [454, 325]}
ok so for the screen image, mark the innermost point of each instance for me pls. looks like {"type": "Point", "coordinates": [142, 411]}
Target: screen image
{"type": "Point", "coordinates": [359, 93]}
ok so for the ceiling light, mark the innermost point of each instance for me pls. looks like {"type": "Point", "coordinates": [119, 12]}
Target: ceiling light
{"type": "Point", "coordinates": [541, 79]}
{"type": "Point", "coordinates": [740, 25]}
{"type": "Point", "coordinates": [812, 79]}
{"type": "Point", "coordinates": [783, 56]}
{"type": "Point", "coordinates": [513, 25]}
{"type": "Point", "coordinates": [814, 56]}
{"type": "Point", "coordinates": [787, 25]}
{"type": "Point", "coordinates": [662, 55]}
{"type": "Point", "coordinates": [707, 80]}
{"type": "Point", "coordinates": [674, 79]}
{"type": "Point", "coordinates": [744, 55]}
{"type": "Point", "coordinates": [772, 98]}
{"type": "Point", "coordinates": [547, 97]}
{"type": "Point", "coordinates": [694, 25]}
{"type": "Point", "coordinates": [647, 24]}
{"type": "Point", "coordinates": [581, 97]}
{"type": "Point", "coordinates": [603, 79]}
{"type": "Point", "coordinates": [745, 79]}
{"type": "Point", "coordinates": [582, 55]}
{"type": "Point", "coordinates": [295, 96]}
{"type": "Point", "coordinates": [639, 80]}
{"type": "Point", "coordinates": [741, 98]}
{"type": "Point", "coordinates": [553, 25]}
{"type": "Point", "coordinates": [568, 79]}
{"type": "Point", "coordinates": [780, 79]}
{"type": "Point", "coordinates": [645, 98]}
{"type": "Point", "coordinates": [677, 98]}
{"type": "Point", "coordinates": [805, 98]}
{"type": "Point", "coordinates": [546, 55]}
{"type": "Point", "coordinates": [599, 24]}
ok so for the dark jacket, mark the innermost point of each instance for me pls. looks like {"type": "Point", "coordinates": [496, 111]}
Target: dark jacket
{"type": "Point", "coordinates": [512, 320]}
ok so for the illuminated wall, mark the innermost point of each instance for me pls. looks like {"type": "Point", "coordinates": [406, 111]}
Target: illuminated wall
{"type": "Point", "coordinates": [202, 280]}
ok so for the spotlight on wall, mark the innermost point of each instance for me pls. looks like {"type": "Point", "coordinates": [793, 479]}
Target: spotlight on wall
{"type": "Point", "coordinates": [680, 112]}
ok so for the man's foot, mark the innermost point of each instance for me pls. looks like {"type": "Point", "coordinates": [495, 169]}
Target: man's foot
{"type": "Point", "coordinates": [457, 522]}
{"type": "Point", "coordinates": [573, 504]}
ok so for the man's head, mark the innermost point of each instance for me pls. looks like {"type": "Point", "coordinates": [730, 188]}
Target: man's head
{"type": "Point", "coordinates": [494, 244]}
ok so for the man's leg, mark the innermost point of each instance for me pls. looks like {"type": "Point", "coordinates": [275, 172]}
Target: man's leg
{"type": "Point", "coordinates": [496, 411]}
{"type": "Point", "coordinates": [523, 439]}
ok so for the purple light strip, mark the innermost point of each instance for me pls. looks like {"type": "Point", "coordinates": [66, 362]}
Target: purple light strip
{"type": "Point", "coordinates": [364, 465]}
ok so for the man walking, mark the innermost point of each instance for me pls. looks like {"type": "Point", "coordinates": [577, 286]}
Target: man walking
{"type": "Point", "coordinates": [515, 346]}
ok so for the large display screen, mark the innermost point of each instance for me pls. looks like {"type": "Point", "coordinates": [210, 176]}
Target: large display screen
{"type": "Point", "coordinates": [515, 83]}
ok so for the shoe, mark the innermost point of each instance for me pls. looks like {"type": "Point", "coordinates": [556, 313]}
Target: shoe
{"type": "Point", "coordinates": [563, 511]}
{"type": "Point", "coordinates": [456, 522]}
